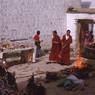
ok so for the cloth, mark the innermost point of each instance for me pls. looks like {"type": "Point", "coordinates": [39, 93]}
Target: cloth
{"type": "Point", "coordinates": [8, 86]}
{"type": "Point", "coordinates": [67, 84]}
{"type": "Point", "coordinates": [36, 37]}
{"type": "Point", "coordinates": [65, 51]}
{"type": "Point", "coordinates": [67, 37]}
{"type": "Point", "coordinates": [37, 40]}
{"type": "Point", "coordinates": [75, 79]}
{"type": "Point", "coordinates": [56, 48]}
{"type": "Point", "coordinates": [34, 55]}
{"type": "Point", "coordinates": [38, 52]}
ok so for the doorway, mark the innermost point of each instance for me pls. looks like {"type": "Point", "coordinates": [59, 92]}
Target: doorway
{"type": "Point", "coordinates": [84, 26]}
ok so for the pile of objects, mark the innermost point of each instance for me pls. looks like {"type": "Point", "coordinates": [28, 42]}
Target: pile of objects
{"type": "Point", "coordinates": [75, 78]}
{"type": "Point", "coordinates": [8, 84]}
{"type": "Point", "coordinates": [15, 44]}
{"type": "Point", "coordinates": [34, 87]}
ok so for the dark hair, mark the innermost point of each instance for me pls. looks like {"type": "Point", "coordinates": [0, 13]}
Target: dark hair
{"type": "Point", "coordinates": [68, 31]}
{"type": "Point", "coordinates": [55, 31]}
{"type": "Point", "coordinates": [38, 32]}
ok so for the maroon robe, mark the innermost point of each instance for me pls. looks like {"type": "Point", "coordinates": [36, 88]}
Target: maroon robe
{"type": "Point", "coordinates": [65, 52]}
{"type": "Point", "coordinates": [55, 50]}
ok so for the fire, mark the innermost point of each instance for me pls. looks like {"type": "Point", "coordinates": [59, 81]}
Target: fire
{"type": "Point", "coordinates": [79, 63]}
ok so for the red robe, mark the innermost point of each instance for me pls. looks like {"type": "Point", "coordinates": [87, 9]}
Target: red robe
{"type": "Point", "coordinates": [65, 52]}
{"type": "Point", "coordinates": [55, 50]}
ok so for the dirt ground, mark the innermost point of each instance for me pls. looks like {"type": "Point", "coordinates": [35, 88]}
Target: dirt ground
{"type": "Point", "coordinates": [51, 87]}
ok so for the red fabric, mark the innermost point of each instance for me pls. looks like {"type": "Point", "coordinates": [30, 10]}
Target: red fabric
{"type": "Point", "coordinates": [65, 52]}
{"type": "Point", "coordinates": [36, 37]}
{"type": "Point", "coordinates": [55, 50]}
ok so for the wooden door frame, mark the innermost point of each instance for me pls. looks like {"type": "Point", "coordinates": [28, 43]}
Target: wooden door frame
{"type": "Point", "coordinates": [79, 31]}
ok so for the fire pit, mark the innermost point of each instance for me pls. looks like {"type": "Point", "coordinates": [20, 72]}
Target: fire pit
{"type": "Point", "coordinates": [80, 63]}
{"type": "Point", "coordinates": [81, 69]}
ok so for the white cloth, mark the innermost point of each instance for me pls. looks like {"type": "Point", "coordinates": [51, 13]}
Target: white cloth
{"type": "Point", "coordinates": [1, 55]}
{"type": "Point", "coordinates": [34, 55]}
{"type": "Point", "coordinates": [67, 37]}
{"type": "Point", "coordinates": [75, 79]}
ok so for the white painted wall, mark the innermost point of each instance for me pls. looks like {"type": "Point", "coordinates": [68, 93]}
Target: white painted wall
{"type": "Point", "coordinates": [92, 5]}
{"type": "Point", "coordinates": [72, 20]}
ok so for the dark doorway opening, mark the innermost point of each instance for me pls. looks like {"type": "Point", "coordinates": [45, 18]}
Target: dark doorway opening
{"type": "Point", "coordinates": [85, 32]}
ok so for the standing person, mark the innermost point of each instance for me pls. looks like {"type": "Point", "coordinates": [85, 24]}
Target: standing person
{"type": "Point", "coordinates": [65, 52]}
{"type": "Point", "coordinates": [91, 37]}
{"type": "Point", "coordinates": [88, 38]}
{"type": "Point", "coordinates": [56, 47]}
{"type": "Point", "coordinates": [37, 43]}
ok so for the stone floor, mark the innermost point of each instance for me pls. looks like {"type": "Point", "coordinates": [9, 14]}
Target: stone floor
{"type": "Point", "coordinates": [24, 71]}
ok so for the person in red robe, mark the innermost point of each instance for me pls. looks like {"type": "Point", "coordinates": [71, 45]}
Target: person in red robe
{"type": "Point", "coordinates": [65, 52]}
{"type": "Point", "coordinates": [56, 48]}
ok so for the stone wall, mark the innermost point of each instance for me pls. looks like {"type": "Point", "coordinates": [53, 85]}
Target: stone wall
{"type": "Point", "coordinates": [22, 18]}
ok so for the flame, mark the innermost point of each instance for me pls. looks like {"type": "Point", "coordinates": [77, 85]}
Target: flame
{"type": "Point", "coordinates": [79, 63]}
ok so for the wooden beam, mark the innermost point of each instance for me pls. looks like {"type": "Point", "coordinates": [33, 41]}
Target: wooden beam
{"type": "Point", "coordinates": [81, 10]}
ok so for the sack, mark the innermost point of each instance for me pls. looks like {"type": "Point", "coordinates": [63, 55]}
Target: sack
{"type": "Point", "coordinates": [51, 76]}
{"type": "Point", "coordinates": [67, 84]}
{"type": "Point", "coordinates": [39, 90]}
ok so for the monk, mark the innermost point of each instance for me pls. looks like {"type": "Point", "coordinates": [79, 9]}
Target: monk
{"type": "Point", "coordinates": [65, 52]}
{"type": "Point", "coordinates": [56, 48]}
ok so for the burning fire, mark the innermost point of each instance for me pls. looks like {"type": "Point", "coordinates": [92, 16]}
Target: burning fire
{"type": "Point", "coordinates": [79, 63]}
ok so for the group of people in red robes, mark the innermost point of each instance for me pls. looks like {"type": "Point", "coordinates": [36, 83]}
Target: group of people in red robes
{"type": "Point", "coordinates": [60, 51]}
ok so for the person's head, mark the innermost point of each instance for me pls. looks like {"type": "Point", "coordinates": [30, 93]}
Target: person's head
{"type": "Point", "coordinates": [68, 32]}
{"type": "Point", "coordinates": [54, 33]}
{"type": "Point", "coordinates": [38, 32]}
